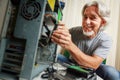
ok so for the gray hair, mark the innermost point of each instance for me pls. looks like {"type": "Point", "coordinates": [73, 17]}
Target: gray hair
{"type": "Point", "coordinates": [103, 11]}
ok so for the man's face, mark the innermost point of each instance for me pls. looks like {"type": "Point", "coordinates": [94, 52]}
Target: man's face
{"type": "Point", "coordinates": [91, 21]}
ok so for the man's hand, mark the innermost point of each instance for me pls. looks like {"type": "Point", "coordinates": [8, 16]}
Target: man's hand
{"type": "Point", "coordinates": [62, 37]}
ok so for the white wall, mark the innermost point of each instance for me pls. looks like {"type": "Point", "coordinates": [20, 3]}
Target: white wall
{"type": "Point", "coordinates": [118, 44]}
{"type": "Point", "coordinates": [113, 30]}
{"type": "Point", "coordinates": [72, 17]}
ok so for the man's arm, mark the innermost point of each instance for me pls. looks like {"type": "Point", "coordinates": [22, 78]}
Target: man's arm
{"type": "Point", "coordinates": [62, 37]}
{"type": "Point", "coordinates": [85, 60]}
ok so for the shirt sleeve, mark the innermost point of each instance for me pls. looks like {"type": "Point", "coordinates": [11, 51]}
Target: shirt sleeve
{"type": "Point", "coordinates": [104, 47]}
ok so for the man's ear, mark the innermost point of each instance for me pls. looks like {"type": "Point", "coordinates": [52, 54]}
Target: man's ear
{"type": "Point", "coordinates": [103, 22]}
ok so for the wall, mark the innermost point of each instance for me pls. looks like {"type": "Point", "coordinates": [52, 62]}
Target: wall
{"type": "Point", "coordinates": [112, 30]}
{"type": "Point", "coordinates": [118, 44]}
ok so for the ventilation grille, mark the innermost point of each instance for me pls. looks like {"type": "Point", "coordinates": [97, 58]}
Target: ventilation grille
{"type": "Point", "coordinates": [31, 10]}
{"type": "Point", "coordinates": [13, 58]}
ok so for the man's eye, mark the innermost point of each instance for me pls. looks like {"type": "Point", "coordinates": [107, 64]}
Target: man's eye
{"type": "Point", "coordinates": [85, 17]}
{"type": "Point", "coordinates": [93, 17]}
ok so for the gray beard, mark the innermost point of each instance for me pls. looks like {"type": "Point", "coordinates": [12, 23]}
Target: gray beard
{"type": "Point", "coordinates": [88, 33]}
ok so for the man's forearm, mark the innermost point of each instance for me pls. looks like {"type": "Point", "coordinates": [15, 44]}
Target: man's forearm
{"type": "Point", "coordinates": [85, 60]}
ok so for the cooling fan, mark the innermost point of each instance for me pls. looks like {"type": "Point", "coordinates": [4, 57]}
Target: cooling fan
{"type": "Point", "coordinates": [30, 10]}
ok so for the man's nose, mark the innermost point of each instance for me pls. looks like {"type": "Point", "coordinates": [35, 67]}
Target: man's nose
{"type": "Point", "coordinates": [88, 21]}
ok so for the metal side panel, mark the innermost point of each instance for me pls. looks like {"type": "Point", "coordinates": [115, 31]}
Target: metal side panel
{"type": "Point", "coordinates": [3, 7]}
{"type": "Point", "coordinates": [5, 12]}
{"type": "Point", "coordinates": [29, 19]}
{"type": "Point", "coordinates": [2, 50]}
{"type": "Point", "coordinates": [29, 27]}
{"type": "Point", "coordinates": [4, 76]}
